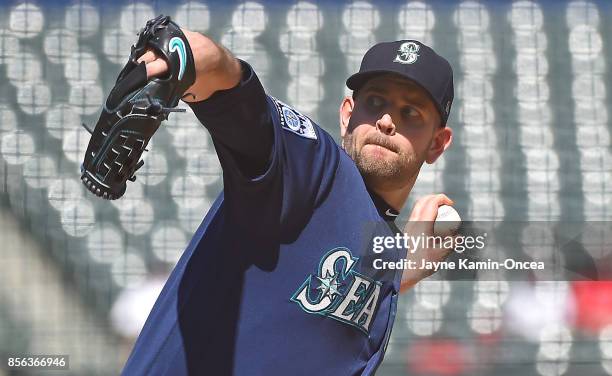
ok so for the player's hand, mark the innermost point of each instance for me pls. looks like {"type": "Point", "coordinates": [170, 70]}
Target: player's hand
{"type": "Point", "coordinates": [216, 69]}
{"type": "Point", "coordinates": [157, 66]}
{"type": "Point", "coordinates": [421, 223]}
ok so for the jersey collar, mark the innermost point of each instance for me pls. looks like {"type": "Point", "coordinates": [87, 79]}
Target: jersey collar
{"type": "Point", "coordinates": [384, 210]}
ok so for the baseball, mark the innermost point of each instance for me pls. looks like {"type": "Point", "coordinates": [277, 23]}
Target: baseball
{"type": "Point", "coordinates": [447, 221]}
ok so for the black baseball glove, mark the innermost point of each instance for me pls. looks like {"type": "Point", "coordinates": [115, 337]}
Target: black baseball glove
{"type": "Point", "coordinates": [135, 108]}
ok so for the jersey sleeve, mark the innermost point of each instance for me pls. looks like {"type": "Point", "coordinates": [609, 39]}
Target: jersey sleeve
{"type": "Point", "coordinates": [239, 120]}
{"type": "Point", "coordinates": [277, 163]}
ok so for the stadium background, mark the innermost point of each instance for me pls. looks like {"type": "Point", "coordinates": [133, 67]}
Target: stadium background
{"type": "Point", "coordinates": [532, 143]}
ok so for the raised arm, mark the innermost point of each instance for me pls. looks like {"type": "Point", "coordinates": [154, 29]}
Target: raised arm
{"type": "Point", "coordinates": [228, 100]}
{"type": "Point", "coordinates": [216, 68]}
{"type": "Point", "coordinates": [263, 145]}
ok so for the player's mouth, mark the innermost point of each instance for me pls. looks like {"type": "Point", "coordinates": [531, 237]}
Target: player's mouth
{"type": "Point", "coordinates": [381, 142]}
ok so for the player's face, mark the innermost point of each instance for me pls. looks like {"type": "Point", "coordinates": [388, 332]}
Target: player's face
{"type": "Point", "coordinates": [393, 127]}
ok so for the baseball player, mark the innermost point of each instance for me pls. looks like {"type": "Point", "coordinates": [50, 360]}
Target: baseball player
{"type": "Point", "coordinates": [278, 278]}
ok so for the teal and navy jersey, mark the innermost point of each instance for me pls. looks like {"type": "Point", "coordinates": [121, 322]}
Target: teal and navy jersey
{"type": "Point", "coordinates": [278, 278]}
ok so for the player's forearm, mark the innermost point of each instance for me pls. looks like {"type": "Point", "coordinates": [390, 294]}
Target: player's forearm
{"type": "Point", "coordinates": [239, 119]}
{"type": "Point", "coordinates": [216, 68]}
{"type": "Point", "coordinates": [237, 114]}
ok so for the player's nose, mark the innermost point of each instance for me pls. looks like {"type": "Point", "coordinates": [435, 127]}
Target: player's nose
{"type": "Point", "coordinates": [385, 125]}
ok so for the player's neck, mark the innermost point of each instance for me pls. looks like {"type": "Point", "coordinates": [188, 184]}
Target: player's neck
{"type": "Point", "coordinates": [395, 197]}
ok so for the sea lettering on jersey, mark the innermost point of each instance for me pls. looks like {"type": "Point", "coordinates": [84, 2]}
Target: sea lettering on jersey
{"type": "Point", "coordinates": [339, 292]}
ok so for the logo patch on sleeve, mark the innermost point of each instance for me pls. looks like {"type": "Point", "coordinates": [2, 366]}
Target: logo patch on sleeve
{"type": "Point", "coordinates": [293, 121]}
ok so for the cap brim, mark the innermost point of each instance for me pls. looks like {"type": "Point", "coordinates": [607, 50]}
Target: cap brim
{"type": "Point", "coordinates": [356, 81]}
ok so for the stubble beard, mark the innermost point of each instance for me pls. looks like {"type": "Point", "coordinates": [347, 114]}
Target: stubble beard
{"type": "Point", "coordinates": [392, 172]}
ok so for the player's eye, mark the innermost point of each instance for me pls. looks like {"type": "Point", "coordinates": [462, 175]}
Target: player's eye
{"type": "Point", "coordinates": [409, 111]}
{"type": "Point", "coordinates": [375, 102]}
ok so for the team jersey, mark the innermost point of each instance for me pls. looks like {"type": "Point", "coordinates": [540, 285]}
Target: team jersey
{"type": "Point", "coordinates": [278, 278]}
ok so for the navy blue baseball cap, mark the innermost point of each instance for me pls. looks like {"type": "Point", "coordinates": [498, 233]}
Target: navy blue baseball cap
{"type": "Point", "coordinates": [415, 61]}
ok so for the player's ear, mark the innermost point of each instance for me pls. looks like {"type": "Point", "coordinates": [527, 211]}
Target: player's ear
{"type": "Point", "coordinates": [442, 139]}
{"type": "Point", "coordinates": [346, 109]}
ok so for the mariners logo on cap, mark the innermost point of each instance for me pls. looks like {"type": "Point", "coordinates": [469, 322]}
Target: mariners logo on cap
{"type": "Point", "coordinates": [407, 53]}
